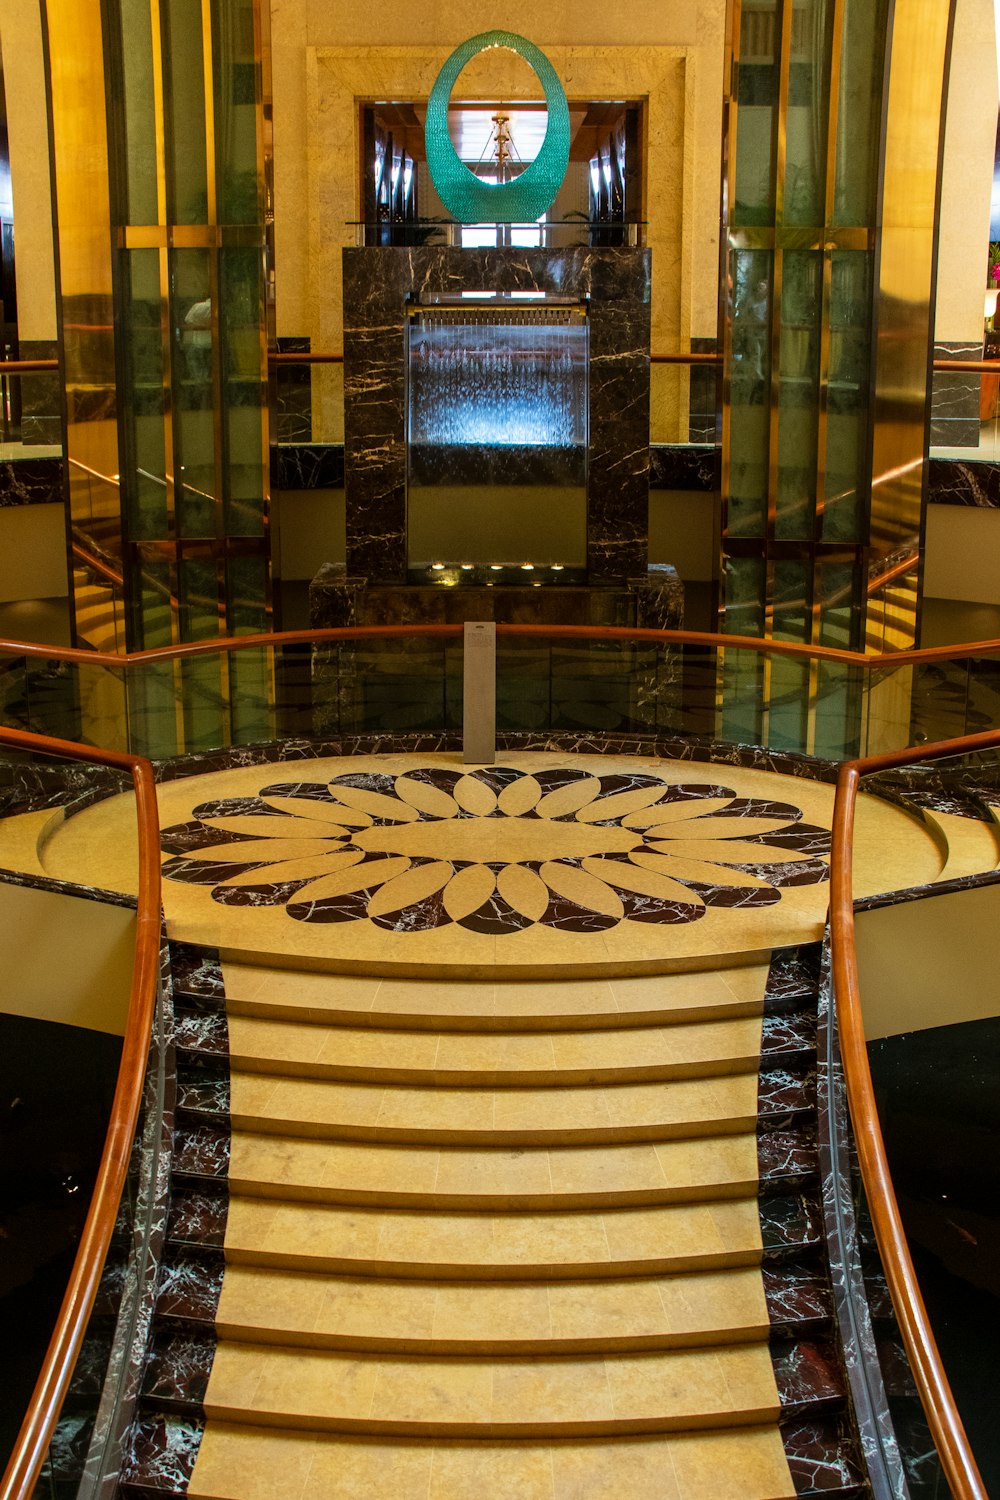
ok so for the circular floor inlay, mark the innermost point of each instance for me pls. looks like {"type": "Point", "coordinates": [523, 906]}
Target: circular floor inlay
{"type": "Point", "coordinates": [496, 850]}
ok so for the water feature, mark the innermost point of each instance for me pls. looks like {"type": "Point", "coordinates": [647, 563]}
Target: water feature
{"type": "Point", "coordinates": [497, 433]}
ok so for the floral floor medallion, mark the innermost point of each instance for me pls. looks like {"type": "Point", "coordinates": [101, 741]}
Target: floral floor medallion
{"type": "Point", "coordinates": [496, 850]}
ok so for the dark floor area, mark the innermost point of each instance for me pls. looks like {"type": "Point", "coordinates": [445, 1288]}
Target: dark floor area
{"type": "Point", "coordinates": [938, 1094]}
{"type": "Point", "coordinates": [56, 1088]}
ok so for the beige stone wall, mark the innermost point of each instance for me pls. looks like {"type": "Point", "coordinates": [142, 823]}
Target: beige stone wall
{"type": "Point", "coordinates": [967, 173]}
{"type": "Point", "coordinates": [24, 84]}
{"type": "Point", "coordinates": [327, 57]}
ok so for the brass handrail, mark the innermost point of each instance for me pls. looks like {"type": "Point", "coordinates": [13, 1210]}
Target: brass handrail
{"type": "Point", "coordinates": [957, 1459]}
{"type": "Point", "coordinates": [23, 1469]}
{"type": "Point", "coordinates": [27, 366]}
{"type": "Point", "coordinates": [867, 661]}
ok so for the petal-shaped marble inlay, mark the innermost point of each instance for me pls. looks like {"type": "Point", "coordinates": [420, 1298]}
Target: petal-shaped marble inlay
{"type": "Point", "coordinates": [714, 828]}
{"type": "Point", "coordinates": [410, 888]}
{"type": "Point", "coordinates": [723, 851]}
{"type": "Point", "coordinates": [496, 849]}
{"type": "Point", "coordinates": [519, 797]}
{"type": "Point", "coordinates": [620, 804]}
{"type": "Point", "coordinates": [643, 880]}
{"type": "Point", "coordinates": [425, 797]}
{"type": "Point", "coordinates": [474, 796]}
{"type": "Point", "coordinates": [468, 890]}
{"type": "Point", "coordinates": [569, 798]}
{"type": "Point", "coordinates": [525, 891]}
{"type": "Point", "coordinates": [698, 870]}
{"type": "Point", "coordinates": [582, 888]}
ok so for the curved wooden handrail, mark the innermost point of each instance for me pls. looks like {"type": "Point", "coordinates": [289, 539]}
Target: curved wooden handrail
{"type": "Point", "coordinates": [33, 1440]}
{"type": "Point", "coordinates": [957, 1459]}
{"type": "Point", "coordinates": [27, 366]}
{"type": "Point", "coordinates": [764, 647]}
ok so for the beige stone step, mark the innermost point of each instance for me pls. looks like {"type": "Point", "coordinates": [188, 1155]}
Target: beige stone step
{"type": "Point", "coordinates": [264, 1305]}
{"type": "Point", "coordinates": [331, 1390]}
{"type": "Point", "coordinates": [971, 847]}
{"type": "Point", "coordinates": [485, 1005]}
{"type": "Point", "coordinates": [481, 1177]}
{"type": "Point", "coordinates": [378, 1241]}
{"type": "Point", "coordinates": [258, 1463]}
{"type": "Point", "coordinates": [322, 1109]}
{"type": "Point", "coordinates": [685, 1049]}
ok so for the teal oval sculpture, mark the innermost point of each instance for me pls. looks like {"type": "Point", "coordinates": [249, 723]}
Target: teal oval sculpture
{"type": "Point", "coordinates": [464, 194]}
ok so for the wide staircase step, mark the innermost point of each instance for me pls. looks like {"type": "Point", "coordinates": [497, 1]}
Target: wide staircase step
{"type": "Point", "coordinates": [539, 1239]}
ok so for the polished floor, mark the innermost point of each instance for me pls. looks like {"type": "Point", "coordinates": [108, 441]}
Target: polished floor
{"type": "Point", "coordinates": [545, 861]}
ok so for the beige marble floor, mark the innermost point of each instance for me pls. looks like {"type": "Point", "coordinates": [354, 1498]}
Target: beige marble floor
{"type": "Point", "coordinates": [893, 849]}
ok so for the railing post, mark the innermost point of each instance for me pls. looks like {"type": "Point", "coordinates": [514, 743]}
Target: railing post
{"type": "Point", "coordinates": [479, 671]}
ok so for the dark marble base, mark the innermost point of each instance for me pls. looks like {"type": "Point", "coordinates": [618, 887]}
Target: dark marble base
{"type": "Point", "coordinates": [31, 481]}
{"type": "Point", "coordinates": [953, 481]}
{"type": "Point", "coordinates": [654, 601]}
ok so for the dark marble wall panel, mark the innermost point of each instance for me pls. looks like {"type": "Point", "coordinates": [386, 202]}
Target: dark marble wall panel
{"type": "Point", "coordinates": [953, 481]}
{"type": "Point", "coordinates": [685, 466]}
{"type": "Point", "coordinates": [377, 284]}
{"type": "Point", "coordinates": [955, 398]}
{"type": "Point", "coordinates": [672, 466]}
{"type": "Point", "coordinates": [293, 394]}
{"type": "Point", "coordinates": [41, 398]}
{"type": "Point", "coordinates": [31, 481]}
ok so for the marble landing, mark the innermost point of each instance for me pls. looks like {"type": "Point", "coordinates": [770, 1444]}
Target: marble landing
{"type": "Point", "coordinates": [544, 862]}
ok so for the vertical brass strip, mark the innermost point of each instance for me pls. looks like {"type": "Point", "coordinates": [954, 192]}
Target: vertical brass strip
{"type": "Point", "coordinates": [219, 476]}
{"type": "Point", "coordinates": [774, 410]}
{"type": "Point", "coordinates": [729, 124]}
{"type": "Point", "coordinates": [166, 333]}
{"type": "Point", "coordinates": [159, 122]}
{"type": "Point", "coordinates": [823, 382]}
{"type": "Point", "coordinates": [265, 160]}
{"type": "Point", "coordinates": [209, 82]}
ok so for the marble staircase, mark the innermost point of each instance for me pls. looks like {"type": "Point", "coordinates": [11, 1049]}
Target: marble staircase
{"type": "Point", "coordinates": [541, 1239]}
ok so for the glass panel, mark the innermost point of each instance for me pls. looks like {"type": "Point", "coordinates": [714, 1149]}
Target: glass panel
{"type": "Point", "coordinates": [184, 107]}
{"type": "Point", "coordinates": [807, 114]}
{"type": "Point", "coordinates": [847, 398]}
{"type": "Point", "coordinates": [859, 111]}
{"type": "Point", "coordinates": [237, 85]}
{"type": "Point", "coordinates": [241, 286]}
{"type": "Point", "coordinates": [840, 690]}
{"type": "Point", "coordinates": [788, 695]}
{"type": "Point", "coordinates": [757, 95]}
{"type": "Point", "coordinates": [798, 417]}
{"type": "Point", "coordinates": [194, 418]}
{"type": "Point", "coordinates": [140, 123]}
{"type": "Point", "coordinates": [146, 486]}
{"type": "Point", "coordinates": [751, 272]}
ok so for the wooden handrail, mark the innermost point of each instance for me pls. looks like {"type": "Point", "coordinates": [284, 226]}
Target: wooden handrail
{"type": "Point", "coordinates": [957, 1459]}
{"type": "Point", "coordinates": [27, 366]}
{"type": "Point", "coordinates": [33, 1440]}
{"type": "Point", "coordinates": [764, 647]}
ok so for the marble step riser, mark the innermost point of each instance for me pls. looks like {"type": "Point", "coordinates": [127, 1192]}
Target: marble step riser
{"type": "Point", "coordinates": [394, 1020]}
{"type": "Point", "coordinates": [561, 1136]}
{"type": "Point", "coordinates": [499, 1348]}
{"type": "Point", "coordinates": [528, 1271]}
{"type": "Point", "coordinates": [738, 1187]}
{"type": "Point", "coordinates": [528, 1431]}
{"type": "Point", "coordinates": [495, 1077]}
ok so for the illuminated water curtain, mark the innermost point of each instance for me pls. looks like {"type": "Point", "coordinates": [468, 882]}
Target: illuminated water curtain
{"type": "Point", "coordinates": [508, 380]}
{"type": "Point", "coordinates": [465, 195]}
